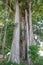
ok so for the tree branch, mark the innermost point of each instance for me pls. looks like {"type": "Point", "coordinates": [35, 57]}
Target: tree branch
{"type": "Point", "coordinates": [9, 7]}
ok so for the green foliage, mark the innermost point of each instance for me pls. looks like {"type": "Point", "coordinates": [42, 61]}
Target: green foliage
{"type": "Point", "coordinates": [37, 14]}
{"type": "Point", "coordinates": [9, 35]}
{"type": "Point", "coordinates": [38, 29]}
{"type": "Point", "coordinates": [10, 63]}
{"type": "Point", "coordinates": [40, 61]}
{"type": "Point", "coordinates": [33, 53]}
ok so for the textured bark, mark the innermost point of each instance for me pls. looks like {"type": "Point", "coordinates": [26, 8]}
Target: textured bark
{"type": "Point", "coordinates": [14, 56]}
{"type": "Point", "coordinates": [27, 35]}
{"type": "Point", "coordinates": [23, 41]}
{"type": "Point", "coordinates": [32, 41]}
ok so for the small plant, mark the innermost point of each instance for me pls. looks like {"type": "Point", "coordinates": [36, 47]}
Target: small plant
{"type": "Point", "coordinates": [33, 53]}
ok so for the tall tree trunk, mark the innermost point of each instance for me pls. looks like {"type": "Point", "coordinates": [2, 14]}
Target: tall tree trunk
{"type": "Point", "coordinates": [15, 56]}
{"type": "Point", "coordinates": [23, 34]}
{"type": "Point", "coordinates": [32, 41]}
{"type": "Point", "coordinates": [27, 34]}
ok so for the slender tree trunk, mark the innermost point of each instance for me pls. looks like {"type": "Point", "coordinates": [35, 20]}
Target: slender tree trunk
{"type": "Point", "coordinates": [15, 56]}
{"type": "Point", "coordinates": [32, 41]}
{"type": "Point", "coordinates": [27, 35]}
{"type": "Point", "coordinates": [4, 41]}
{"type": "Point", "coordinates": [23, 34]}
{"type": "Point", "coordinates": [5, 30]}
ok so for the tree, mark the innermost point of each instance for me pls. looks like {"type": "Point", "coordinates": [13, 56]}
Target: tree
{"type": "Point", "coordinates": [14, 56]}
{"type": "Point", "coordinates": [30, 10]}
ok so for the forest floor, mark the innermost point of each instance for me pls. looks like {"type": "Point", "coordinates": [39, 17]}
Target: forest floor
{"type": "Point", "coordinates": [21, 63]}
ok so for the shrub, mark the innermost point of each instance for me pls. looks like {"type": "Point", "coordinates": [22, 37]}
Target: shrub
{"type": "Point", "coordinates": [33, 53]}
